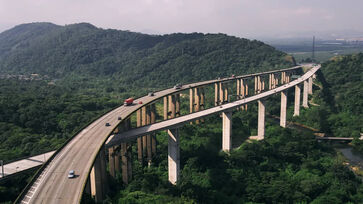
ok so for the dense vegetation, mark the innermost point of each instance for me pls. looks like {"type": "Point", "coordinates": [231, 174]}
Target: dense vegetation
{"type": "Point", "coordinates": [55, 79]}
{"type": "Point", "coordinates": [287, 167]}
{"type": "Point", "coordinates": [131, 60]}
{"type": "Point", "coordinates": [84, 71]}
{"type": "Point", "coordinates": [340, 97]}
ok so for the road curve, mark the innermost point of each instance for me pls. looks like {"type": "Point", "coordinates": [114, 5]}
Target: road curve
{"type": "Point", "coordinates": [52, 184]}
{"type": "Point", "coordinates": [179, 121]}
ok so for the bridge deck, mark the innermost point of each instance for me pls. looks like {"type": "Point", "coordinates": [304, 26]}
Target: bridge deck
{"type": "Point", "coordinates": [53, 186]}
{"type": "Point", "coordinates": [24, 164]}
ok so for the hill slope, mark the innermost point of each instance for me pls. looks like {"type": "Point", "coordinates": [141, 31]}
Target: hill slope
{"type": "Point", "coordinates": [82, 49]}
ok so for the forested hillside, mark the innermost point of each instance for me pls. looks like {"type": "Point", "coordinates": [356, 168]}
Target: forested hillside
{"type": "Point", "coordinates": [90, 70]}
{"type": "Point", "coordinates": [340, 97]}
{"type": "Point", "coordinates": [131, 58]}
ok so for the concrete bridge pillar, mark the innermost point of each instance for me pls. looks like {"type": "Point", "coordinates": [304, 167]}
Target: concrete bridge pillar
{"type": "Point", "coordinates": [238, 88]}
{"type": "Point", "coordinates": [283, 109]}
{"type": "Point", "coordinates": [172, 110]}
{"type": "Point", "coordinates": [165, 108]}
{"type": "Point", "coordinates": [147, 138]}
{"type": "Point", "coordinates": [221, 93]}
{"type": "Point", "coordinates": [139, 139]}
{"type": "Point", "coordinates": [297, 100]}
{"type": "Point", "coordinates": [261, 120]}
{"type": "Point", "coordinates": [126, 156]}
{"type": "Point", "coordinates": [216, 93]}
{"type": "Point", "coordinates": [305, 95]}
{"type": "Point", "coordinates": [202, 101]}
{"type": "Point", "coordinates": [153, 136]}
{"type": "Point", "coordinates": [98, 177]}
{"type": "Point", "coordinates": [197, 101]}
{"type": "Point", "coordinates": [177, 104]}
{"type": "Point", "coordinates": [310, 85]}
{"type": "Point", "coordinates": [173, 155]}
{"type": "Point", "coordinates": [246, 94]}
{"type": "Point", "coordinates": [227, 131]}
{"type": "Point", "coordinates": [191, 100]}
{"type": "Point", "coordinates": [144, 113]}
{"type": "Point", "coordinates": [225, 89]}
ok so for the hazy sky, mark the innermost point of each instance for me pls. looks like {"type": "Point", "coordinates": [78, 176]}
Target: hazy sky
{"type": "Point", "coordinates": [245, 18]}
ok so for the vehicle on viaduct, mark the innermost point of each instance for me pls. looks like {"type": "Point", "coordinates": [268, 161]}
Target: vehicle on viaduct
{"type": "Point", "coordinates": [112, 134]}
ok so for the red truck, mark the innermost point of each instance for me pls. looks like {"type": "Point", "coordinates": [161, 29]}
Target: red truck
{"type": "Point", "coordinates": [128, 101]}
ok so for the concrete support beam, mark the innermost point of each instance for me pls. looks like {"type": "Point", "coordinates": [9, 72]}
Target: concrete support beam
{"type": "Point", "coordinates": [202, 101]}
{"type": "Point", "coordinates": [177, 104]}
{"type": "Point", "coordinates": [87, 187]}
{"type": "Point", "coordinates": [216, 96]}
{"type": "Point", "coordinates": [297, 100]}
{"type": "Point", "coordinates": [153, 136]}
{"type": "Point", "coordinates": [173, 156]}
{"type": "Point", "coordinates": [98, 177]}
{"type": "Point", "coordinates": [261, 120]}
{"type": "Point", "coordinates": [197, 101]}
{"type": "Point", "coordinates": [126, 162]}
{"type": "Point", "coordinates": [283, 109]}
{"type": "Point", "coordinates": [111, 162]}
{"type": "Point", "coordinates": [227, 131]}
{"type": "Point", "coordinates": [283, 77]}
{"type": "Point", "coordinates": [238, 88]}
{"type": "Point", "coordinates": [305, 95]}
{"type": "Point", "coordinates": [246, 94]}
{"type": "Point", "coordinates": [144, 113]}
{"type": "Point", "coordinates": [225, 89]}
{"type": "Point", "coordinates": [310, 85]}
{"type": "Point", "coordinates": [221, 93]}
{"type": "Point", "coordinates": [165, 108]}
{"type": "Point", "coordinates": [172, 105]}
{"type": "Point", "coordinates": [139, 139]}
{"type": "Point", "coordinates": [191, 101]}
{"type": "Point", "coordinates": [148, 137]}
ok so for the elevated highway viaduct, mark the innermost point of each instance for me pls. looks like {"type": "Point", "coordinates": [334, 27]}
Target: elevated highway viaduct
{"type": "Point", "coordinates": [86, 152]}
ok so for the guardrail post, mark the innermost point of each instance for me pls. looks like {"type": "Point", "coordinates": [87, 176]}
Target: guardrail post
{"type": "Point", "coordinates": [283, 108]}
{"type": "Point", "coordinates": [305, 95]}
{"type": "Point", "coordinates": [173, 156]}
{"type": "Point", "coordinates": [297, 100]}
{"type": "Point", "coordinates": [227, 131]}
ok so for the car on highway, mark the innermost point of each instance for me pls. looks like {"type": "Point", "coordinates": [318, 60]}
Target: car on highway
{"type": "Point", "coordinates": [177, 86]}
{"type": "Point", "coordinates": [71, 174]}
{"type": "Point", "coordinates": [107, 124]}
{"type": "Point", "coordinates": [150, 94]}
